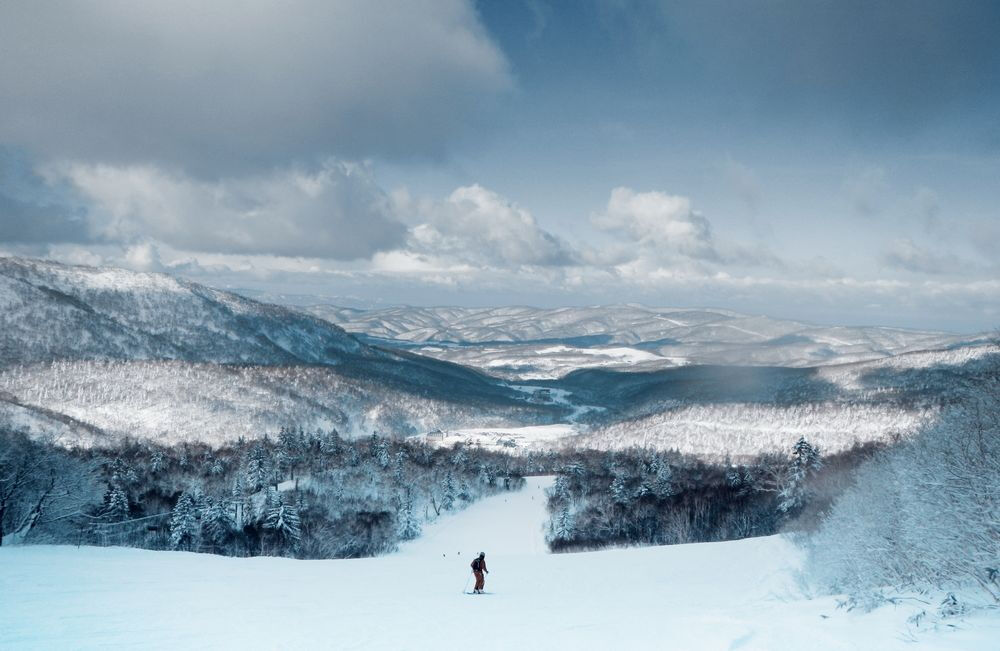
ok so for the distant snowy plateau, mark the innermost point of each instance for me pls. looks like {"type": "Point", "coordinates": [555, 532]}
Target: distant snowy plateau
{"type": "Point", "coordinates": [530, 343]}
{"type": "Point", "coordinates": [91, 353]}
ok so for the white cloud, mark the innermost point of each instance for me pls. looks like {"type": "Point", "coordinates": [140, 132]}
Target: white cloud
{"type": "Point", "coordinates": [479, 226]}
{"type": "Point", "coordinates": [336, 211]}
{"type": "Point", "coordinates": [219, 88]}
{"type": "Point", "coordinates": [408, 262]}
{"type": "Point", "coordinates": [660, 224]}
{"type": "Point", "coordinates": [477, 247]}
{"type": "Point", "coordinates": [143, 257]}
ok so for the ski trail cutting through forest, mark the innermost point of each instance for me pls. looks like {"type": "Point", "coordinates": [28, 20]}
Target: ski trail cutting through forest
{"type": "Point", "coordinates": [508, 524]}
{"type": "Point", "coordinates": [732, 595]}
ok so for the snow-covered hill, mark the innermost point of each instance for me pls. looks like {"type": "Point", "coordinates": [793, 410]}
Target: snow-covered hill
{"type": "Point", "coordinates": [52, 311]}
{"type": "Point", "coordinates": [717, 596]}
{"type": "Point", "coordinates": [87, 352]}
{"type": "Point", "coordinates": [83, 402]}
{"type": "Point", "coordinates": [532, 343]}
{"type": "Point", "coordinates": [737, 412]}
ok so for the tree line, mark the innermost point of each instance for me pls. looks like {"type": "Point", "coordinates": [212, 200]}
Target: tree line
{"type": "Point", "coordinates": [647, 497]}
{"type": "Point", "coordinates": [299, 494]}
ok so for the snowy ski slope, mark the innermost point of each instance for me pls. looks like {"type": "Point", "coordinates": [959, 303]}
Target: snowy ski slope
{"type": "Point", "coordinates": [735, 595]}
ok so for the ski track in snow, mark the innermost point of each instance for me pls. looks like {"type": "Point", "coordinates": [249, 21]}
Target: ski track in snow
{"type": "Point", "coordinates": [733, 595]}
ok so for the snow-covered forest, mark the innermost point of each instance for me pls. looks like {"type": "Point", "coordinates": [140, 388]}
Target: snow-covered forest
{"type": "Point", "coordinates": [923, 514]}
{"type": "Point", "coordinates": [643, 497]}
{"type": "Point", "coordinates": [181, 401]}
{"type": "Point", "coordinates": [306, 495]}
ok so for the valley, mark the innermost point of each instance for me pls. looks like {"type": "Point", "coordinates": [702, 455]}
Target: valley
{"type": "Point", "coordinates": [147, 356]}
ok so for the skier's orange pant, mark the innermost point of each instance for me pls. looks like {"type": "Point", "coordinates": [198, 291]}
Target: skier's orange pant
{"type": "Point", "coordinates": [480, 579]}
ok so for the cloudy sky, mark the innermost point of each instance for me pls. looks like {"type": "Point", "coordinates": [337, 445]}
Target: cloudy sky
{"type": "Point", "coordinates": [834, 161]}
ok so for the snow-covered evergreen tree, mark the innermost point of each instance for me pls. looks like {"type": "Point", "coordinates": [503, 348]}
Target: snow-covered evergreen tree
{"type": "Point", "coordinates": [560, 489]}
{"type": "Point", "coordinates": [663, 486]}
{"type": "Point", "coordinates": [217, 523]}
{"type": "Point", "coordinates": [122, 473]}
{"type": "Point", "coordinates": [399, 466]}
{"type": "Point", "coordinates": [331, 443]}
{"type": "Point", "coordinates": [407, 525]}
{"type": "Point", "coordinates": [290, 450]}
{"type": "Point", "coordinates": [465, 490]}
{"type": "Point", "coordinates": [449, 492]}
{"type": "Point", "coordinates": [282, 518]}
{"type": "Point", "coordinates": [201, 501]}
{"type": "Point", "coordinates": [562, 526]}
{"type": "Point", "coordinates": [806, 457]}
{"type": "Point", "coordinates": [184, 526]}
{"type": "Point", "coordinates": [382, 455]}
{"type": "Point", "coordinates": [379, 450]}
{"type": "Point", "coordinates": [619, 490]}
{"type": "Point", "coordinates": [256, 471]}
{"type": "Point", "coordinates": [805, 461]}
{"type": "Point", "coordinates": [116, 507]}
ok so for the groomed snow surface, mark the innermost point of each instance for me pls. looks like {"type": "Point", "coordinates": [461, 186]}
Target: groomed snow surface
{"type": "Point", "coordinates": [734, 595]}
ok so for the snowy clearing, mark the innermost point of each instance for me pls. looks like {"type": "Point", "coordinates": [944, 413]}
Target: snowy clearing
{"type": "Point", "coordinates": [512, 440]}
{"type": "Point", "coordinates": [735, 595]}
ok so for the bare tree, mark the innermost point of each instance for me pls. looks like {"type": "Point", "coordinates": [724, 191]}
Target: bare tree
{"type": "Point", "coordinates": [39, 483]}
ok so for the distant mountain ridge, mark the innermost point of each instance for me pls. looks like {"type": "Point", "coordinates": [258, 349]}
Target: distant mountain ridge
{"type": "Point", "coordinates": [509, 340]}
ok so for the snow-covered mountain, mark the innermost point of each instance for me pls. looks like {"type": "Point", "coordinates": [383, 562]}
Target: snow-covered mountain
{"type": "Point", "coordinates": [53, 311]}
{"type": "Point", "coordinates": [87, 351]}
{"type": "Point", "coordinates": [531, 343]}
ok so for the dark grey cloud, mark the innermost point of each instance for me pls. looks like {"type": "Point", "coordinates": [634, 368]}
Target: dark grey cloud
{"type": "Point", "coordinates": [224, 87]}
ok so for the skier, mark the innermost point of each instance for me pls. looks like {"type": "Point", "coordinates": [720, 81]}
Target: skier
{"type": "Point", "coordinates": [478, 568]}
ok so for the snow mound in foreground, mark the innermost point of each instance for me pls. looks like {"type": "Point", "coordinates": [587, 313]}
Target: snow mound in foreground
{"type": "Point", "coordinates": [733, 595]}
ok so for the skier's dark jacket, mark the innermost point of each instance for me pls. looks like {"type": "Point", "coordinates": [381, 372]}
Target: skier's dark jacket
{"type": "Point", "coordinates": [479, 564]}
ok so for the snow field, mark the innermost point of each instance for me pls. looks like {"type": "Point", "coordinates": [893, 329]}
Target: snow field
{"type": "Point", "coordinates": [734, 595]}
{"type": "Point", "coordinates": [505, 439]}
